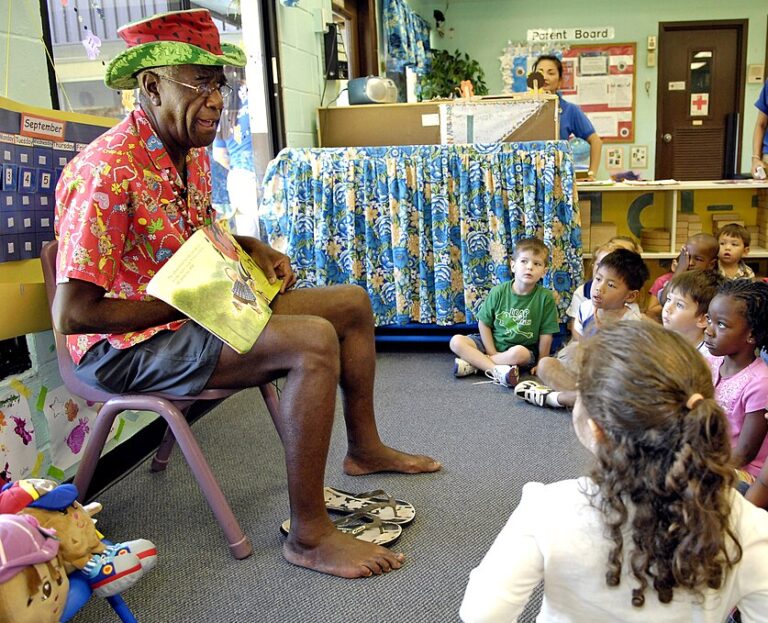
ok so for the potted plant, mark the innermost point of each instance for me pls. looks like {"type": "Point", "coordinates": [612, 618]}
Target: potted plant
{"type": "Point", "coordinates": [446, 73]}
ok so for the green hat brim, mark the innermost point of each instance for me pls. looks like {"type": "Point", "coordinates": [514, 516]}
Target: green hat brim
{"type": "Point", "coordinates": [121, 71]}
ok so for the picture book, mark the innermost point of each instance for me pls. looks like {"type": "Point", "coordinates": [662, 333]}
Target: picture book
{"type": "Point", "coordinates": [217, 284]}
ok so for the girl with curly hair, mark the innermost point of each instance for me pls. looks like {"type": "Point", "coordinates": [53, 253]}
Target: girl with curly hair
{"type": "Point", "coordinates": [657, 532]}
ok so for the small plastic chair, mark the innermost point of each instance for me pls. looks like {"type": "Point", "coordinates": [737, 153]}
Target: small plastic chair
{"type": "Point", "coordinates": [171, 408]}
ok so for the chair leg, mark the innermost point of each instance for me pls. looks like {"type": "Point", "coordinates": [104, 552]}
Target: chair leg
{"type": "Point", "coordinates": [270, 399]}
{"type": "Point", "coordinates": [93, 448]}
{"type": "Point", "coordinates": [121, 609]}
{"type": "Point", "coordinates": [239, 545]}
{"type": "Point", "coordinates": [163, 454]}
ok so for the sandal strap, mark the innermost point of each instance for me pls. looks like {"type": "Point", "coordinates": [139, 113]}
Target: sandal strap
{"type": "Point", "coordinates": [358, 522]}
{"type": "Point", "coordinates": [378, 493]}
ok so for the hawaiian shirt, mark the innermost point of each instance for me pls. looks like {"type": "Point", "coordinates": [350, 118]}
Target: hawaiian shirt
{"type": "Point", "coordinates": [122, 210]}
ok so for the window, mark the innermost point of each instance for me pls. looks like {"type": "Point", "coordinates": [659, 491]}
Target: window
{"type": "Point", "coordinates": [79, 79]}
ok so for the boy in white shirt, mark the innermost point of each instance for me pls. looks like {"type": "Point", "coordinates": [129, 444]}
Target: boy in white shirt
{"type": "Point", "coordinates": [688, 297]}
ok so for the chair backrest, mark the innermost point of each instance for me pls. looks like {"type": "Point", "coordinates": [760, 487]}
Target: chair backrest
{"type": "Point", "coordinates": [66, 365]}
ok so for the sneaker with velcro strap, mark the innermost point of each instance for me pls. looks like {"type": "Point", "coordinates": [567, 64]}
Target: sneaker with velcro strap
{"type": "Point", "coordinates": [533, 392]}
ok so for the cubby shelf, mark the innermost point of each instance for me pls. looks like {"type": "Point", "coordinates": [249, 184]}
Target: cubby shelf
{"type": "Point", "coordinates": [670, 203]}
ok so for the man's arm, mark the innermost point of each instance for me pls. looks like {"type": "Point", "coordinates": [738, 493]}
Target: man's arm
{"type": "Point", "coordinates": [80, 307]}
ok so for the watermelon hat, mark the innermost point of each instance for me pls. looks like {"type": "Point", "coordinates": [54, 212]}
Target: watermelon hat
{"type": "Point", "coordinates": [176, 38]}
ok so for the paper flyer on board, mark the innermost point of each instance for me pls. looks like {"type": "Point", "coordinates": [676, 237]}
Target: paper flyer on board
{"type": "Point", "coordinates": [218, 285]}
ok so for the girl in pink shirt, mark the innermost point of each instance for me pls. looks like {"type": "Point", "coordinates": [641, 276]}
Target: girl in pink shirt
{"type": "Point", "coordinates": [737, 325]}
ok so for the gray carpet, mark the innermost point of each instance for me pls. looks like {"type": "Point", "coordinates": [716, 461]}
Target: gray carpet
{"type": "Point", "coordinates": [490, 444]}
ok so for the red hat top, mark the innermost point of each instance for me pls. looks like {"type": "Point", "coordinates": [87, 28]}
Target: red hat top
{"type": "Point", "coordinates": [195, 27]}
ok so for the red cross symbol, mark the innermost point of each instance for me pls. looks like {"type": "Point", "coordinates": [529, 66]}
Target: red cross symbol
{"type": "Point", "coordinates": [699, 102]}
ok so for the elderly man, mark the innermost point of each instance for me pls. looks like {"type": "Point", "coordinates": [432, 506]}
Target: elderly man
{"type": "Point", "coordinates": [127, 203]}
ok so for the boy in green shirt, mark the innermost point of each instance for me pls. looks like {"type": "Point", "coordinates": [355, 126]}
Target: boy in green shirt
{"type": "Point", "coordinates": [516, 321]}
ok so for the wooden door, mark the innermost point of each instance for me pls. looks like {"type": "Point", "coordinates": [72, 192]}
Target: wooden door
{"type": "Point", "coordinates": [700, 92]}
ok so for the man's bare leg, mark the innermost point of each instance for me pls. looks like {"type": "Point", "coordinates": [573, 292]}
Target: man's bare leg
{"type": "Point", "coordinates": [306, 350]}
{"type": "Point", "coordinates": [348, 309]}
{"type": "Point", "coordinates": [555, 375]}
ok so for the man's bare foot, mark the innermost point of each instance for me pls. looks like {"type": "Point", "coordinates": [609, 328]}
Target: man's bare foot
{"type": "Point", "coordinates": [340, 554]}
{"type": "Point", "coordinates": [386, 459]}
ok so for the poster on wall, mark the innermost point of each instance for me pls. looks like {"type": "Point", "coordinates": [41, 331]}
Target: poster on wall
{"type": "Point", "coordinates": [70, 422]}
{"type": "Point", "coordinates": [18, 447]}
{"type": "Point", "coordinates": [600, 78]}
{"type": "Point", "coordinates": [35, 146]}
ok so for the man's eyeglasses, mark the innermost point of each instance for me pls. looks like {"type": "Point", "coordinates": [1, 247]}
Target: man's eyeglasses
{"type": "Point", "coordinates": [204, 90]}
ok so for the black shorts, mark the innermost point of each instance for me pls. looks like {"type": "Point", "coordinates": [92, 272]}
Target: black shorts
{"type": "Point", "coordinates": [172, 362]}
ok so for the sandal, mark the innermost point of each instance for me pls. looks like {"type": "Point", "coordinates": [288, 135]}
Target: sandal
{"type": "Point", "coordinates": [378, 503]}
{"type": "Point", "coordinates": [363, 526]}
{"type": "Point", "coordinates": [533, 392]}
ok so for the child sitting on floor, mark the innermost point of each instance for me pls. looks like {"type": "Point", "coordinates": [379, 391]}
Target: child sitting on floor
{"type": "Point", "coordinates": [699, 253]}
{"type": "Point", "coordinates": [582, 293]}
{"type": "Point", "coordinates": [656, 532]}
{"type": "Point", "coordinates": [734, 242]}
{"type": "Point", "coordinates": [688, 298]}
{"type": "Point", "coordinates": [516, 321]}
{"type": "Point", "coordinates": [736, 329]}
{"type": "Point", "coordinates": [616, 286]}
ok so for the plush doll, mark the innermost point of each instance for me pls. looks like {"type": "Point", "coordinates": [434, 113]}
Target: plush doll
{"type": "Point", "coordinates": [33, 584]}
{"type": "Point", "coordinates": [111, 569]}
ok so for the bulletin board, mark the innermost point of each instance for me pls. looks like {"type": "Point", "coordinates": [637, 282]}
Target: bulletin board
{"type": "Point", "coordinates": [600, 78]}
{"type": "Point", "coordinates": [35, 145]}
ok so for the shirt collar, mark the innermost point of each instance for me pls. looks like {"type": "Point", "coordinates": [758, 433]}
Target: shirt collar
{"type": "Point", "coordinates": [155, 148]}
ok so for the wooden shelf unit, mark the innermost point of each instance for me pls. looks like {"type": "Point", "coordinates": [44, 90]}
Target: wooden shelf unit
{"type": "Point", "coordinates": [738, 194]}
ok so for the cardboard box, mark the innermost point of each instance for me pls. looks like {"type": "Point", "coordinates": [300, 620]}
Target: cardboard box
{"type": "Point", "coordinates": [600, 233]}
{"type": "Point", "coordinates": [420, 123]}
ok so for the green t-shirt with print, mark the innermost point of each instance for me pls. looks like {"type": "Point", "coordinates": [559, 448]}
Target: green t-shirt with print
{"type": "Point", "coordinates": [518, 320]}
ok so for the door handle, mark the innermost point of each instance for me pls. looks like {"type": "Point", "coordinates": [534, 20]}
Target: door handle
{"type": "Point", "coordinates": [666, 137]}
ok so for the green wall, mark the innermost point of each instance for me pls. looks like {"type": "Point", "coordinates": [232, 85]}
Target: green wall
{"type": "Point", "coordinates": [482, 28]}
{"type": "Point", "coordinates": [300, 31]}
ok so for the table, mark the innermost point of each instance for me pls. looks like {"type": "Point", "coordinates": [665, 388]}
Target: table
{"type": "Point", "coordinates": [427, 230]}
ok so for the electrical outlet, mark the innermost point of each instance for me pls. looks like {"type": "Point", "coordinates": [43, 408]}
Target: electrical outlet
{"type": "Point", "coordinates": [651, 42]}
{"type": "Point", "coordinates": [638, 157]}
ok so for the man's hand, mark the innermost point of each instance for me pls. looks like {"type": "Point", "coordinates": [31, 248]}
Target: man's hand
{"type": "Point", "coordinates": [275, 265]}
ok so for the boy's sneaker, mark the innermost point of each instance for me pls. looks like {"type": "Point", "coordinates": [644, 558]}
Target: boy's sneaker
{"type": "Point", "coordinates": [533, 392]}
{"type": "Point", "coordinates": [503, 375]}
{"type": "Point", "coordinates": [463, 368]}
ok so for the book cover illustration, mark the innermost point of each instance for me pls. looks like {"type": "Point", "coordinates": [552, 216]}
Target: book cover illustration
{"type": "Point", "coordinates": [217, 284]}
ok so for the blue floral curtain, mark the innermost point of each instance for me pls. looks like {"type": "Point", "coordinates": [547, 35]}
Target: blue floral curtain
{"type": "Point", "coordinates": [427, 230]}
{"type": "Point", "coordinates": [407, 37]}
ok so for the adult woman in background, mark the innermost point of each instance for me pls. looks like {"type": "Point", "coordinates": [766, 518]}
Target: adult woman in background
{"type": "Point", "coordinates": [572, 120]}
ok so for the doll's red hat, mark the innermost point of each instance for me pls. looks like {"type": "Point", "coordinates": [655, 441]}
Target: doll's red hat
{"type": "Point", "coordinates": [37, 493]}
{"type": "Point", "coordinates": [176, 38]}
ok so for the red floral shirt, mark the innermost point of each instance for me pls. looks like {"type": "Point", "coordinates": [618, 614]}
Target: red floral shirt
{"type": "Point", "coordinates": [121, 211]}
